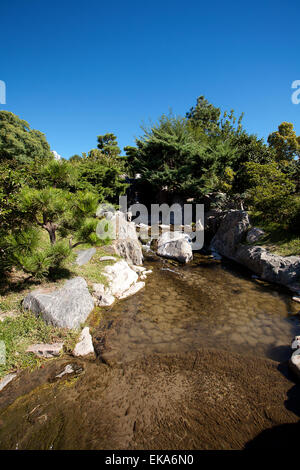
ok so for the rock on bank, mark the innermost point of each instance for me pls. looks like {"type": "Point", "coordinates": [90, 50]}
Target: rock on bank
{"type": "Point", "coordinates": [229, 242]}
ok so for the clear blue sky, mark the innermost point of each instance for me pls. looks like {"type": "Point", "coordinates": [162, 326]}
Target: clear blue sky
{"type": "Point", "coordinates": [77, 69]}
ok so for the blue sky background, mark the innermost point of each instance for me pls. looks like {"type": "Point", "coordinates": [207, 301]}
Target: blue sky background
{"type": "Point", "coordinates": [77, 69]}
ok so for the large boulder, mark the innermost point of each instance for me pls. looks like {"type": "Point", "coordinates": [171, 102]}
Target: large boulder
{"type": "Point", "coordinates": [126, 244]}
{"type": "Point", "coordinates": [175, 245]}
{"type": "Point", "coordinates": [67, 307]}
{"type": "Point", "coordinates": [232, 231]}
{"type": "Point", "coordinates": [283, 270]}
{"type": "Point", "coordinates": [228, 242]}
{"type": "Point", "coordinates": [254, 235]}
{"type": "Point", "coordinates": [120, 277]}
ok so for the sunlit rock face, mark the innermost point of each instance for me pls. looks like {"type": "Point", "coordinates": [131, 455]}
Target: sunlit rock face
{"type": "Point", "coordinates": [175, 245]}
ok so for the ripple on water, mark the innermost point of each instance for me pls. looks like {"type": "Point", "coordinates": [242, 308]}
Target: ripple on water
{"type": "Point", "coordinates": [206, 305]}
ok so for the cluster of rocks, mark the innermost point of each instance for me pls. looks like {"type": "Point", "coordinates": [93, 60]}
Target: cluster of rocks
{"type": "Point", "coordinates": [232, 241]}
{"type": "Point", "coordinates": [122, 281]}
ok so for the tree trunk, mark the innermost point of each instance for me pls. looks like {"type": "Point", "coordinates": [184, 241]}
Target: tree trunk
{"type": "Point", "coordinates": [51, 229]}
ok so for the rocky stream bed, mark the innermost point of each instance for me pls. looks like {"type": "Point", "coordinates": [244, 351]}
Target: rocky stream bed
{"type": "Point", "coordinates": [191, 356]}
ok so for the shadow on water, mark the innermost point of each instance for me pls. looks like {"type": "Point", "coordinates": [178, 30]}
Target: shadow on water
{"type": "Point", "coordinates": [284, 436]}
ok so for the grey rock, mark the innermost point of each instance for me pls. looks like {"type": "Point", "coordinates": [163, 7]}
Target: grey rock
{"type": "Point", "coordinates": [127, 244]}
{"type": "Point", "coordinates": [8, 378]}
{"type": "Point", "coordinates": [175, 245]}
{"type": "Point", "coordinates": [130, 250]}
{"type": "Point", "coordinates": [67, 307]}
{"type": "Point", "coordinates": [229, 239]}
{"type": "Point", "coordinates": [45, 350]}
{"type": "Point", "coordinates": [231, 233]}
{"type": "Point", "coordinates": [283, 270]}
{"type": "Point", "coordinates": [255, 234]}
{"type": "Point", "coordinates": [84, 256]}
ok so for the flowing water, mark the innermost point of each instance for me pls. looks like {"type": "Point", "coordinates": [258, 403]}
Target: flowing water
{"type": "Point", "coordinates": [203, 304]}
{"type": "Point", "coordinates": [204, 399]}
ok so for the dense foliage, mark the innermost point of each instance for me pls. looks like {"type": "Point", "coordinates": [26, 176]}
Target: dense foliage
{"type": "Point", "coordinates": [207, 152]}
{"type": "Point", "coordinates": [48, 206]}
{"type": "Point", "coordinates": [59, 198]}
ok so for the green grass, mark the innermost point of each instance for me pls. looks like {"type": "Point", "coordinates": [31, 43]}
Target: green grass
{"type": "Point", "coordinates": [18, 329]}
{"type": "Point", "coordinates": [278, 239]}
{"type": "Point", "coordinates": [25, 329]}
{"type": "Point", "coordinates": [92, 272]}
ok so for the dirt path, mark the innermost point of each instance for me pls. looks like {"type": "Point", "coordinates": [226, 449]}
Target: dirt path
{"type": "Point", "coordinates": [206, 399]}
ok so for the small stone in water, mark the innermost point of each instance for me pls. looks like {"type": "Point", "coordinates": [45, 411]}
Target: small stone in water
{"type": "Point", "coordinates": [67, 370]}
{"type": "Point", "coordinates": [296, 299]}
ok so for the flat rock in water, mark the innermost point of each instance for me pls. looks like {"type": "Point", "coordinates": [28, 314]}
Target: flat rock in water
{"type": "Point", "coordinates": [85, 344]}
{"type": "Point", "coordinates": [67, 307]}
{"type": "Point", "coordinates": [84, 256]}
{"type": "Point", "coordinates": [45, 350]}
{"type": "Point", "coordinates": [8, 378]}
{"type": "Point", "coordinates": [138, 269]}
{"type": "Point", "coordinates": [132, 290]}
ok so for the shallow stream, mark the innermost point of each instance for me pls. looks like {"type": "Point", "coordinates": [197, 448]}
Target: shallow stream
{"type": "Point", "coordinates": [203, 304]}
